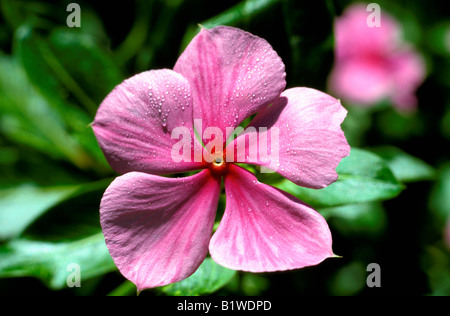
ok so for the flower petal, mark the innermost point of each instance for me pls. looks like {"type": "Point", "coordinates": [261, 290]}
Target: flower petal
{"type": "Point", "coordinates": [409, 72]}
{"type": "Point", "coordinates": [232, 73]}
{"type": "Point", "coordinates": [265, 229]}
{"type": "Point", "coordinates": [134, 123]}
{"type": "Point", "coordinates": [364, 80]}
{"type": "Point", "coordinates": [157, 229]}
{"type": "Point", "coordinates": [311, 143]}
{"type": "Point", "coordinates": [354, 36]}
{"type": "Point", "coordinates": [374, 63]}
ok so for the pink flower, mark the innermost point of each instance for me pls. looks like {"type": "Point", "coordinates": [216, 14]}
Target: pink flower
{"type": "Point", "coordinates": [158, 229]}
{"type": "Point", "coordinates": [373, 64]}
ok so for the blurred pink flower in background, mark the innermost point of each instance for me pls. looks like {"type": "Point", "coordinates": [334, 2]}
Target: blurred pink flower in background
{"type": "Point", "coordinates": [373, 64]}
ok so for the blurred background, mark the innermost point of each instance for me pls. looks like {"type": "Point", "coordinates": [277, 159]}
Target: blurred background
{"type": "Point", "coordinates": [53, 174]}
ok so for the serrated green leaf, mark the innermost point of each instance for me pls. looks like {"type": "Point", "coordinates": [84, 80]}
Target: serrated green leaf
{"type": "Point", "coordinates": [209, 278]}
{"type": "Point", "coordinates": [50, 261]}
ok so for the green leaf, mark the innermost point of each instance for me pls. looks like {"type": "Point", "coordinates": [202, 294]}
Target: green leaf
{"type": "Point", "coordinates": [438, 38]}
{"type": "Point", "coordinates": [311, 57]}
{"type": "Point", "coordinates": [209, 278]}
{"type": "Point", "coordinates": [27, 118]}
{"type": "Point", "coordinates": [396, 125]}
{"type": "Point", "coordinates": [254, 284]}
{"type": "Point", "coordinates": [89, 65]}
{"type": "Point", "coordinates": [22, 204]}
{"type": "Point", "coordinates": [349, 279]}
{"type": "Point", "coordinates": [15, 12]}
{"type": "Point", "coordinates": [440, 195]}
{"type": "Point", "coordinates": [46, 72]}
{"type": "Point", "coordinates": [405, 167]}
{"type": "Point", "coordinates": [363, 177]}
{"type": "Point", "coordinates": [50, 262]}
{"type": "Point", "coordinates": [69, 65]}
{"type": "Point", "coordinates": [232, 16]}
{"type": "Point", "coordinates": [436, 264]}
{"type": "Point", "coordinates": [356, 219]}
{"type": "Point", "coordinates": [244, 9]}
{"type": "Point", "coordinates": [445, 123]}
{"type": "Point", "coordinates": [140, 32]}
{"type": "Point", "coordinates": [127, 288]}
{"type": "Point", "coordinates": [357, 122]}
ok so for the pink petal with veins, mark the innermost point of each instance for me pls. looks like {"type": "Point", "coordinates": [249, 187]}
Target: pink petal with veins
{"type": "Point", "coordinates": [134, 123]}
{"type": "Point", "coordinates": [266, 229]}
{"type": "Point", "coordinates": [233, 74]}
{"type": "Point", "coordinates": [157, 229]}
{"type": "Point", "coordinates": [311, 142]}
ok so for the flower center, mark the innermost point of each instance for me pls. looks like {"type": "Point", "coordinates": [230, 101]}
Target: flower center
{"type": "Point", "coordinates": [218, 164]}
{"type": "Point", "coordinates": [218, 161]}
